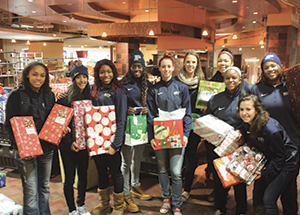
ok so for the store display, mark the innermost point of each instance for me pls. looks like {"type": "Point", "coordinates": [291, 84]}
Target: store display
{"type": "Point", "coordinates": [26, 136]}
{"type": "Point", "coordinates": [212, 129]}
{"type": "Point", "coordinates": [206, 90]}
{"type": "Point", "coordinates": [100, 128]}
{"type": "Point", "coordinates": [79, 122]}
{"type": "Point", "coordinates": [136, 130]}
{"type": "Point", "coordinates": [59, 118]}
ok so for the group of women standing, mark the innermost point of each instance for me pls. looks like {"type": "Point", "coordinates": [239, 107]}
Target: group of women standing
{"type": "Point", "coordinates": [251, 115]}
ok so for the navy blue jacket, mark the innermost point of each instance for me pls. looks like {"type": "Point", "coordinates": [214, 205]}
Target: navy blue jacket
{"type": "Point", "coordinates": [169, 96]}
{"type": "Point", "coordinates": [278, 148]}
{"type": "Point", "coordinates": [276, 101]}
{"type": "Point", "coordinates": [224, 106]}
{"type": "Point", "coordinates": [119, 100]}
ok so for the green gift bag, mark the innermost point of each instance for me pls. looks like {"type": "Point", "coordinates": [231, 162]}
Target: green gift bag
{"type": "Point", "coordinates": [136, 130]}
{"type": "Point", "coordinates": [206, 90]}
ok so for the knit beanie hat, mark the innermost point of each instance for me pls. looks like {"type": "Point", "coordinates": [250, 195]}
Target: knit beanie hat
{"type": "Point", "coordinates": [270, 57]}
{"type": "Point", "coordinates": [136, 57]}
{"type": "Point", "coordinates": [77, 70]}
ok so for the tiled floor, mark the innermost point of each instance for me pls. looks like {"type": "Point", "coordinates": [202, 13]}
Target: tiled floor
{"type": "Point", "coordinates": [197, 203]}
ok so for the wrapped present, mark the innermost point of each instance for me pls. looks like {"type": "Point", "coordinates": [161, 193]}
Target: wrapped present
{"type": "Point", "coordinates": [100, 128]}
{"type": "Point", "coordinates": [58, 87]}
{"type": "Point", "coordinates": [8, 206]}
{"type": "Point", "coordinates": [229, 144]}
{"type": "Point", "coordinates": [2, 179]}
{"type": "Point", "coordinates": [59, 118]}
{"type": "Point", "coordinates": [194, 117]}
{"type": "Point", "coordinates": [246, 162]}
{"type": "Point", "coordinates": [136, 130]}
{"type": "Point", "coordinates": [226, 177]}
{"type": "Point", "coordinates": [2, 111]}
{"type": "Point", "coordinates": [26, 136]}
{"type": "Point", "coordinates": [206, 90]}
{"type": "Point", "coordinates": [212, 129]}
{"type": "Point", "coordinates": [168, 133]}
{"type": "Point", "coordinates": [292, 79]}
{"type": "Point", "coordinates": [79, 122]}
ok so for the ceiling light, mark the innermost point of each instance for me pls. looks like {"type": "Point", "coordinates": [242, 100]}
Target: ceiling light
{"type": "Point", "coordinates": [54, 35]}
{"type": "Point", "coordinates": [146, 11]}
{"type": "Point", "coordinates": [243, 27]}
{"type": "Point", "coordinates": [234, 37]}
{"type": "Point", "coordinates": [151, 33]}
{"type": "Point", "coordinates": [253, 48]}
{"type": "Point", "coordinates": [254, 22]}
{"type": "Point", "coordinates": [33, 11]}
{"type": "Point", "coordinates": [29, 36]}
{"type": "Point", "coordinates": [44, 44]}
{"type": "Point", "coordinates": [109, 42]}
{"type": "Point", "coordinates": [13, 40]}
{"type": "Point", "coordinates": [262, 46]}
{"type": "Point", "coordinates": [64, 21]}
{"type": "Point", "coordinates": [261, 42]}
{"type": "Point", "coordinates": [30, 0]}
{"type": "Point", "coordinates": [104, 34]}
{"type": "Point", "coordinates": [234, 1]}
{"type": "Point", "coordinates": [123, 2]}
{"type": "Point", "coordinates": [255, 13]}
{"type": "Point", "coordinates": [100, 47]}
{"type": "Point", "coordinates": [240, 49]}
{"type": "Point", "coordinates": [205, 33]}
{"type": "Point", "coordinates": [223, 46]}
{"type": "Point", "coordinates": [27, 43]}
{"type": "Point", "coordinates": [82, 46]}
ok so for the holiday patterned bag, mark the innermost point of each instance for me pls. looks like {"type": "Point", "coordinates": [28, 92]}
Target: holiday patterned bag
{"type": "Point", "coordinates": [26, 136]}
{"type": "Point", "coordinates": [136, 130]}
{"type": "Point", "coordinates": [292, 79]}
{"type": "Point", "coordinates": [206, 90]}
{"type": "Point", "coordinates": [229, 144]}
{"type": "Point", "coordinates": [168, 133]}
{"type": "Point", "coordinates": [59, 118]}
{"type": "Point", "coordinates": [100, 128]}
{"type": "Point", "coordinates": [79, 122]}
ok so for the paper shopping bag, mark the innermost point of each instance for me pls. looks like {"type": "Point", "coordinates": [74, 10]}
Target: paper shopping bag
{"type": "Point", "coordinates": [136, 130]}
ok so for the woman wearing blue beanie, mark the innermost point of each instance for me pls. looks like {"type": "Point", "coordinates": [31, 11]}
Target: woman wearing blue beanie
{"type": "Point", "coordinates": [272, 91]}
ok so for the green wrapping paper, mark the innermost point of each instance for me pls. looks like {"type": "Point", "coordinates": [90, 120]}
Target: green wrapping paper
{"type": "Point", "coordinates": [136, 130]}
{"type": "Point", "coordinates": [206, 90]}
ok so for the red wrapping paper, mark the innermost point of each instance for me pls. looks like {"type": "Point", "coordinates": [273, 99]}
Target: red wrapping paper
{"type": "Point", "coordinates": [26, 136]}
{"type": "Point", "coordinates": [59, 118]}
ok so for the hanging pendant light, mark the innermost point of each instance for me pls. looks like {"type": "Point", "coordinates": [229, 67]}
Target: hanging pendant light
{"type": "Point", "coordinates": [104, 34]}
{"type": "Point", "coordinates": [44, 44]}
{"type": "Point", "coordinates": [13, 40]}
{"type": "Point", "coordinates": [28, 42]}
{"type": "Point", "coordinates": [205, 33]}
{"type": "Point", "coordinates": [151, 33]}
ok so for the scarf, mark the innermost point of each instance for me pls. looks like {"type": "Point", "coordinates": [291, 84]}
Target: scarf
{"type": "Point", "coordinates": [191, 83]}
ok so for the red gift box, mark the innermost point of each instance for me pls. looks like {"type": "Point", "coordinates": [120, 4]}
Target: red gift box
{"type": "Point", "coordinates": [292, 79]}
{"type": "Point", "coordinates": [26, 136]}
{"type": "Point", "coordinates": [59, 118]}
{"type": "Point", "coordinates": [79, 123]}
{"type": "Point", "coordinates": [226, 177]}
{"type": "Point", "coordinates": [168, 133]}
{"type": "Point", "coordinates": [58, 87]}
{"type": "Point", "coordinates": [100, 128]}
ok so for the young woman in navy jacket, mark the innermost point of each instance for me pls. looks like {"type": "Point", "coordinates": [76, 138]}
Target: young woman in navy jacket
{"type": "Point", "coordinates": [271, 89]}
{"type": "Point", "coordinates": [107, 90]}
{"type": "Point", "coordinates": [169, 95]}
{"type": "Point", "coordinates": [224, 106]}
{"type": "Point", "coordinates": [267, 135]}
{"type": "Point", "coordinates": [73, 158]}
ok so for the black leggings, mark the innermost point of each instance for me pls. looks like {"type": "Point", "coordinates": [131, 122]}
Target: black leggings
{"type": "Point", "coordinates": [113, 162]}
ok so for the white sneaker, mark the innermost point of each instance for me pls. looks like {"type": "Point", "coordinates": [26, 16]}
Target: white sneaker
{"type": "Point", "coordinates": [165, 206]}
{"type": "Point", "coordinates": [82, 210]}
{"type": "Point", "coordinates": [74, 212]}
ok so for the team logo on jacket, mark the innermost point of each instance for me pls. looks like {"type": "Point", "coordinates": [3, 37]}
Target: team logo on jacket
{"type": "Point", "coordinates": [260, 139]}
{"type": "Point", "coordinates": [285, 93]}
{"type": "Point", "coordinates": [160, 93]}
{"type": "Point", "coordinates": [107, 95]}
{"type": "Point", "coordinates": [176, 92]}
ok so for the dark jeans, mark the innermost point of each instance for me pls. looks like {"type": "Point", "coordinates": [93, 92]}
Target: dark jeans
{"type": "Point", "coordinates": [113, 162]}
{"type": "Point", "coordinates": [72, 161]}
{"type": "Point", "coordinates": [191, 160]}
{"type": "Point", "coordinates": [221, 193]}
{"type": "Point", "coordinates": [285, 184]}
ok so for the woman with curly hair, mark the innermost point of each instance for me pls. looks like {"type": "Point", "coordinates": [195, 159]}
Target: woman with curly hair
{"type": "Point", "coordinates": [135, 84]}
{"type": "Point", "coordinates": [276, 179]}
{"type": "Point", "coordinates": [107, 90]}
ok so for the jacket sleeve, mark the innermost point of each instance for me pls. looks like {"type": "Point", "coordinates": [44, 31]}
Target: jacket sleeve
{"type": "Point", "coordinates": [187, 119]}
{"type": "Point", "coordinates": [12, 109]}
{"type": "Point", "coordinates": [277, 162]}
{"type": "Point", "coordinates": [121, 115]}
{"type": "Point", "coordinates": [152, 112]}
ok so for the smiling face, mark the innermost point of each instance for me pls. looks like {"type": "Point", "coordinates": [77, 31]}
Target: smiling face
{"type": "Point", "coordinates": [190, 65]}
{"type": "Point", "coordinates": [106, 75]}
{"type": "Point", "coordinates": [224, 61]}
{"type": "Point", "coordinates": [136, 70]}
{"type": "Point", "coordinates": [247, 111]}
{"type": "Point", "coordinates": [81, 81]}
{"type": "Point", "coordinates": [272, 72]}
{"type": "Point", "coordinates": [166, 69]}
{"type": "Point", "coordinates": [232, 81]}
{"type": "Point", "coordinates": [36, 77]}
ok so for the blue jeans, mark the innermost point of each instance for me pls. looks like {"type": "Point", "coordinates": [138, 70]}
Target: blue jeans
{"type": "Point", "coordinates": [285, 184]}
{"type": "Point", "coordinates": [35, 175]}
{"type": "Point", "coordinates": [174, 159]}
{"type": "Point", "coordinates": [131, 165]}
